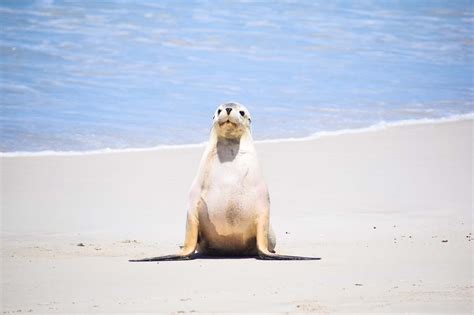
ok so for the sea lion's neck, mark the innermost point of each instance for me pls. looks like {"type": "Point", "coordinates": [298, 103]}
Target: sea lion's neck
{"type": "Point", "coordinates": [230, 142]}
{"type": "Point", "coordinates": [227, 149]}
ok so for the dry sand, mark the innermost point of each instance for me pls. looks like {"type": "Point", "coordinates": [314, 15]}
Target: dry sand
{"type": "Point", "coordinates": [389, 212]}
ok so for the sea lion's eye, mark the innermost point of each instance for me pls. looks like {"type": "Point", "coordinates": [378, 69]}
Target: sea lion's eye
{"type": "Point", "coordinates": [219, 111]}
{"type": "Point", "coordinates": [242, 113]}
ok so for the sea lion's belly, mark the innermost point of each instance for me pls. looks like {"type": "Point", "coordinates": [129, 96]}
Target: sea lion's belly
{"type": "Point", "coordinates": [228, 220]}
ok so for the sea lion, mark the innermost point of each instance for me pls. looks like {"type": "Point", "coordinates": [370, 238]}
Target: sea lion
{"type": "Point", "coordinates": [229, 204]}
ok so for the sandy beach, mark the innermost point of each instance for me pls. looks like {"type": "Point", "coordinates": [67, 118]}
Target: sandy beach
{"type": "Point", "coordinates": [389, 212]}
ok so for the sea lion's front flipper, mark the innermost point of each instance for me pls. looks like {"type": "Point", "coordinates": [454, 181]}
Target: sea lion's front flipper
{"type": "Point", "coordinates": [188, 251]}
{"type": "Point", "coordinates": [167, 258]}
{"type": "Point", "coordinates": [264, 256]}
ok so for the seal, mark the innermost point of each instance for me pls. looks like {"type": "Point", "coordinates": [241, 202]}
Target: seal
{"type": "Point", "coordinates": [229, 205]}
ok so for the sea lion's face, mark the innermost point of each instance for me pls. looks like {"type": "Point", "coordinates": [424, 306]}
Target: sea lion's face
{"type": "Point", "coordinates": [231, 120]}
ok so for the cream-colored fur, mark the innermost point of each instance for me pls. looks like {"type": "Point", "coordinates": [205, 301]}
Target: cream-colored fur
{"type": "Point", "coordinates": [229, 196]}
{"type": "Point", "coordinates": [229, 206]}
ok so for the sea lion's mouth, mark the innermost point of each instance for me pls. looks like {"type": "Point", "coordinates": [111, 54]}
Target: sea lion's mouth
{"type": "Point", "coordinates": [227, 122]}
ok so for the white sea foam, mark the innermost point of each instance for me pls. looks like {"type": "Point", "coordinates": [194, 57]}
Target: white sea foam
{"type": "Point", "coordinates": [101, 151]}
{"type": "Point", "coordinates": [382, 125]}
{"type": "Point", "coordinates": [373, 128]}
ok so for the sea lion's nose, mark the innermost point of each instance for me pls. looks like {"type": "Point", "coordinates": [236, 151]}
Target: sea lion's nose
{"type": "Point", "coordinates": [228, 110]}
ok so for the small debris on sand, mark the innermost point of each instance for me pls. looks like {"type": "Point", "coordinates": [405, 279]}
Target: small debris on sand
{"type": "Point", "coordinates": [129, 241]}
{"type": "Point", "coordinates": [81, 245]}
{"type": "Point", "coordinates": [358, 284]}
{"type": "Point", "coordinates": [444, 241]}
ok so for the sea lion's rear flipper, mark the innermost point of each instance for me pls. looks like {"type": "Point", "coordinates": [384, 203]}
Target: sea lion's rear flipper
{"type": "Point", "coordinates": [264, 256]}
{"type": "Point", "coordinates": [265, 251]}
{"type": "Point", "coordinates": [166, 258]}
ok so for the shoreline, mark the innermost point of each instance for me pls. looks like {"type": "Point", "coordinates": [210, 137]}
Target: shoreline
{"type": "Point", "coordinates": [320, 134]}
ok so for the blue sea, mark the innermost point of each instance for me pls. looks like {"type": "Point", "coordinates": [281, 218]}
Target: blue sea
{"type": "Point", "coordinates": [94, 75]}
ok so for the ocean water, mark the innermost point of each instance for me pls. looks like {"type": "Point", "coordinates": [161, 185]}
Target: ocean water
{"type": "Point", "coordinates": [83, 75]}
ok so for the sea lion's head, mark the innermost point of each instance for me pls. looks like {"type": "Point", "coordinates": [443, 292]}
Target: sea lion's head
{"type": "Point", "coordinates": [231, 120]}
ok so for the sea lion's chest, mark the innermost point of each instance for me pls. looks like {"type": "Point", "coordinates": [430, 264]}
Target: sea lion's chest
{"type": "Point", "coordinates": [231, 193]}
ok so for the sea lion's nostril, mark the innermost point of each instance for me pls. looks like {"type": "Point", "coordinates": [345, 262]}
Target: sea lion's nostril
{"type": "Point", "coordinates": [228, 110]}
